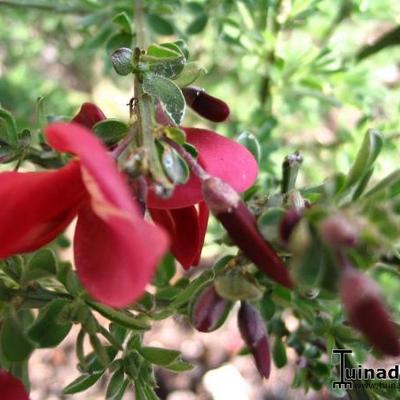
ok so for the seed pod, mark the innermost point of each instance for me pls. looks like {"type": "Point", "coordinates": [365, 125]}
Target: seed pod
{"type": "Point", "coordinates": [88, 115]}
{"type": "Point", "coordinates": [241, 226]}
{"type": "Point", "coordinates": [367, 313]}
{"type": "Point", "coordinates": [207, 106]}
{"type": "Point", "coordinates": [208, 311]}
{"type": "Point", "coordinates": [252, 329]}
{"type": "Point", "coordinates": [337, 231]}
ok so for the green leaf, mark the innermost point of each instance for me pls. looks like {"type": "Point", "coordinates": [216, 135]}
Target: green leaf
{"type": "Point", "coordinates": [116, 385]}
{"type": "Point", "coordinates": [179, 366]}
{"type": "Point", "coordinates": [279, 353]}
{"type": "Point", "coordinates": [197, 25]}
{"type": "Point", "coordinates": [233, 285]}
{"type": "Point", "coordinates": [268, 223]}
{"type": "Point", "coordinates": [164, 61]}
{"type": "Point", "coordinates": [159, 356]}
{"type": "Point", "coordinates": [42, 264]}
{"type": "Point", "coordinates": [118, 40]}
{"type": "Point", "coordinates": [251, 143]}
{"type": "Point", "coordinates": [160, 25]}
{"type": "Point", "coordinates": [122, 61]}
{"type": "Point", "coordinates": [119, 316]}
{"type": "Point", "coordinates": [175, 134]}
{"type": "Point", "coordinates": [16, 345]}
{"type": "Point", "coordinates": [164, 51]}
{"type": "Point", "coordinates": [123, 22]}
{"type": "Point", "coordinates": [11, 127]}
{"type": "Point", "coordinates": [190, 73]}
{"type": "Point", "coordinates": [174, 165]}
{"type": "Point", "coordinates": [366, 156]}
{"type": "Point", "coordinates": [82, 383]}
{"type": "Point", "coordinates": [165, 271]}
{"type": "Point", "coordinates": [110, 131]}
{"type": "Point", "coordinates": [169, 95]}
{"type": "Point", "coordinates": [48, 330]}
{"type": "Point", "coordinates": [181, 44]}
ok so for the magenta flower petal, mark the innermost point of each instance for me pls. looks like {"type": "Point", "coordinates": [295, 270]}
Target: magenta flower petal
{"type": "Point", "coordinates": [116, 257]}
{"type": "Point", "coordinates": [220, 157]}
{"type": "Point", "coordinates": [88, 115]}
{"type": "Point", "coordinates": [11, 388]}
{"type": "Point", "coordinates": [37, 206]}
{"type": "Point", "coordinates": [186, 229]}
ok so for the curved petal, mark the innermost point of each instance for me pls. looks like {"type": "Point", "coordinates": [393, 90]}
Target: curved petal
{"type": "Point", "coordinates": [88, 115]}
{"type": "Point", "coordinates": [37, 206]}
{"type": "Point", "coordinates": [116, 258]}
{"type": "Point", "coordinates": [220, 157]}
{"type": "Point", "coordinates": [100, 175]}
{"type": "Point", "coordinates": [11, 388]}
{"type": "Point", "coordinates": [186, 229]}
{"type": "Point", "coordinates": [204, 214]}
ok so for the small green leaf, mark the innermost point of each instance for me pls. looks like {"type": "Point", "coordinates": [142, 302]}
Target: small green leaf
{"type": "Point", "coordinates": [160, 25]}
{"type": "Point", "coordinates": [174, 166]}
{"type": "Point", "coordinates": [366, 156]}
{"type": "Point", "coordinates": [119, 316]}
{"type": "Point", "coordinates": [163, 51]}
{"type": "Point", "coordinates": [122, 61]}
{"type": "Point", "coordinates": [110, 131]}
{"type": "Point", "coordinates": [268, 223]}
{"type": "Point", "coordinates": [159, 356]}
{"type": "Point", "coordinates": [16, 345]}
{"type": "Point", "coordinates": [123, 22]}
{"type": "Point", "coordinates": [251, 143]}
{"type": "Point", "coordinates": [168, 93]}
{"type": "Point", "coordinates": [42, 264]}
{"type": "Point", "coordinates": [118, 40]}
{"type": "Point", "coordinates": [116, 385]}
{"type": "Point", "coordinates": [181, 44]}
{"type": "Point", "coordinates": [175, 134]}
{"type": "Point", "coordinates": [197, 25]}
{"type": "Point", "coordinates": [165, 271]}
{"type": "Point", "coordinates": [279, 353]}
{"type": "Point", "coordinates": [11, 127]}
{"type": "Point", "coordinates": [48, 330]}
{"type": "Point", "coordinates": [179, 366]}
{"type": "Point", "coordinates": [190, 73]}
{"type": "Point", "coordinates": [82, 383]}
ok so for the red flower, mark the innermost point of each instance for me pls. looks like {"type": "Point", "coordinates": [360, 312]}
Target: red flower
{"type": "Point", "coordinates": [11, 388]}
{"type": "Point", "coordinates": [115, 250]}
{"type": "Point", "coordinates": [88, 115]}
{"type": "Point", "coordinates": [185, 215]}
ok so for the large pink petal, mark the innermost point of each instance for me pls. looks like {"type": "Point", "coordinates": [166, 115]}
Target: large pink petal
{"type": "Point", "coordinates": [116, 258]}
{"type": "Point", "coordinates": [11, 388]}
{"type": "Point", "coordinates": [186, 230]}
{"type": "Point", "coordinates": [220, 157]}
{"type": "Point", "coordinates": [37, 206]}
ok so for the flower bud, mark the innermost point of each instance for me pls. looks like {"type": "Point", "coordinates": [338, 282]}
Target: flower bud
{"type": "Point", "coordinates": [252, 329]}
{"type": "Point", "coordinates": [208, 310]}
{"type": "Point", "coordinates": [367, 313]}
{"type": "Point", "coordinates": [289, 221]}
{"type": "Point", "coordinates": [337, 231]}
{"type": "Point", "coordinates": [89, 115]}
{"type": "Point", "coordinates": [241, 226]}
{"type": "Point", "coordinates": [207, 106]}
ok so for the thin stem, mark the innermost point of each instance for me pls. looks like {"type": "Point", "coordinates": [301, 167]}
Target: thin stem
{"type": "Point", "coordinates": [195, 167]}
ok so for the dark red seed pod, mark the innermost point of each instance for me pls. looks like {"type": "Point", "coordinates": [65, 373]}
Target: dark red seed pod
{"type": "Point", "coordinates": [207, 106]}
{"type": "Point", "coordinates": [208, 310]}
{"type": "Point", "coordinates": [254, 334]}
{"type": "Point", "coordinates": [241, 226]}
{"type": "Point", "coordinates": [337, 231]}
{"type": "Point", "coordinates": [289, 221]}
{"type": "Point", "coordinates": [367, 313]}
{"type": "Point", "coordinates": [88, 115]}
